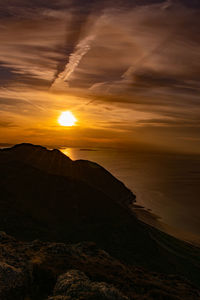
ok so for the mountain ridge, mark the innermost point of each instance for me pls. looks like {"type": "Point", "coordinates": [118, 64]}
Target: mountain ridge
{"type": "Point", "coordinates": [55, 162]}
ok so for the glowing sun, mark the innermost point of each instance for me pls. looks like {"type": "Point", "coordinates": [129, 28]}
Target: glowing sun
{"type": "Point", "coordinates": [67, 119]}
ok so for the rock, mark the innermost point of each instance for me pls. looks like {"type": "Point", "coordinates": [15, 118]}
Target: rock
{"type": "Point", "coordinates": [57, 271]}
{"type": "Point", "coordinates": [12, 281]}
{"type": "Point", "coordinates": [76, 285]}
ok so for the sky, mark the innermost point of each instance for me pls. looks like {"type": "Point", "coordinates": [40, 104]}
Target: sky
{"type": "Point", "coordinates": [129, 71]}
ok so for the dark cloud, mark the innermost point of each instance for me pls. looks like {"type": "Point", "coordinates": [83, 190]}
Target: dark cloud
{"type": "Point", "coordinates": [6, 75]}
{"type": "Point", "coordinates": [170, 122]}
{"type": "Point", "coordinates": [151, 78]}
{"type": "Point", "coordinates": [6, 124]}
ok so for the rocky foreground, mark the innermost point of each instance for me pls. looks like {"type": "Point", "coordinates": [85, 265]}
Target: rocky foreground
{"type": "Point", "coordinates": [58, 214]}
{"type": "Point", "coordinates": [58, 271]}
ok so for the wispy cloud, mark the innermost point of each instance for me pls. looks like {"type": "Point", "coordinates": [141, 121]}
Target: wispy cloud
{"type": "Point", "coordinates": [134, 62]}
{"type": "Point", "coordinates": [75, 58]}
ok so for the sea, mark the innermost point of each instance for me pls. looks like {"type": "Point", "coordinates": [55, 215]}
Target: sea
{"type": "Point", "coordinates": [166, 185]}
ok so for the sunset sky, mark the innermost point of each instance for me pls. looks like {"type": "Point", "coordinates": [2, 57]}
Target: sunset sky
{"type": "Point", "coordinates": [129, 71]}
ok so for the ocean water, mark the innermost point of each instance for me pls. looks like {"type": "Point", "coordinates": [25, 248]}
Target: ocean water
{"type": "Point", "coordinates": [166, 184]}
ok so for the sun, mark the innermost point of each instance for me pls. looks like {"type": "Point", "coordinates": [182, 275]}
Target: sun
{"type": "Point", "coordinates": [67, 119]}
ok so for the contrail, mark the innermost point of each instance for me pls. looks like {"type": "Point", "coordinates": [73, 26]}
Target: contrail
{"type": "Point", "coordinates": [79, 47]}
{"type": "Point", "coordinates": [75, 58]}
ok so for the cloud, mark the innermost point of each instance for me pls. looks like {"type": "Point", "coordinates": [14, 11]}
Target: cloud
{"type": "Point", "coordinates": [142, 56]}
{"type": "Point", "coordinates": [170, 122]}
{"type": "Point", "coordinates": [6, 124]}
{"type": "Point", "coordinates": [75, 58]}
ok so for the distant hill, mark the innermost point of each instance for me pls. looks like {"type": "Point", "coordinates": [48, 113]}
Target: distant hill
{"type": "Point", "coordinates": [55, 162]}
{"type": "Point", "coordinates": [47, 196]}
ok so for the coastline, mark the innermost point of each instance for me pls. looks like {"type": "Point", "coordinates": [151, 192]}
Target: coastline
{"type": "Point", "coordinates": [162, 183]}
{"type": "Point", "coordinates": [149, 218]}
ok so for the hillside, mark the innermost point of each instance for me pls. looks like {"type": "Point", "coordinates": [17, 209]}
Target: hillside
{"type": "Point", "coordinates": [36, 270]}
{"type": "Point", "coordinates": [47, 196]}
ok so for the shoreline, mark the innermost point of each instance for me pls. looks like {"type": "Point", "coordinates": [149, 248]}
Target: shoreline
{"type": "Point", "coordinates": [149, 218]}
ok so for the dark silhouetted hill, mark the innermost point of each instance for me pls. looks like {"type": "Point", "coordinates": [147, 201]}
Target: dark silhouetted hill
{"type": "Point", "coordinates": [56, 163]}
